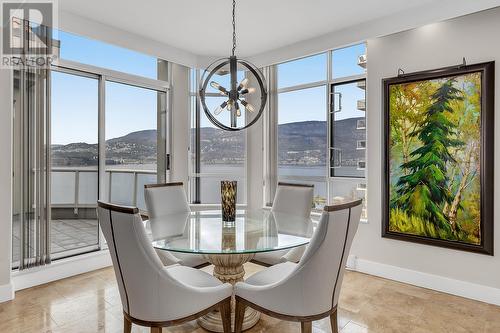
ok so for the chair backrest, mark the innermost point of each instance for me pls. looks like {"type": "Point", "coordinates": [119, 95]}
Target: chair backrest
{"type": "Point", "coordinates": [323, 264]}
{"type": "Point", "coordinates": [293, 199]}
{"type": "Point", "coordinates": [136, 265]}
{"type": "Point", "coordinates": [168, 198]}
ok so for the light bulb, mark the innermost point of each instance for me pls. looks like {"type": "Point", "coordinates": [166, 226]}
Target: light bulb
{"type": "Point", "coordinates": [243, 84]}
{"type": "Point", "coordinates": [248, 106]}
{"type": "Point", "coordinates": [219, 109]}
{"type": "Point", "coordinates": [238, 110]}
{"type": "Point", "coordinates": [215, 85]}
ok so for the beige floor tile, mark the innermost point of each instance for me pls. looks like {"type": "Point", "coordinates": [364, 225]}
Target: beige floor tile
{"type": "Point", "coordinates": [91, 303]}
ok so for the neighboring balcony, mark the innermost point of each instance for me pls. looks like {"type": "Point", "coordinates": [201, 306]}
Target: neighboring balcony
{"type": "Point", "coordinates": [362, 61]}
{"type": "Point", "coordinates": [361, 105]}
{"type": "Point", "coordinates": [361, 84]}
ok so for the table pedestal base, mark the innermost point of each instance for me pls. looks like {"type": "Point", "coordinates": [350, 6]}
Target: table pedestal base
{"type": "Point", "coordinates": [228, 268]}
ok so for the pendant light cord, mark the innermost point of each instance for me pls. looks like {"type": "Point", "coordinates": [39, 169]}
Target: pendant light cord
{"type": "Point", "coordinates": [234, 26]}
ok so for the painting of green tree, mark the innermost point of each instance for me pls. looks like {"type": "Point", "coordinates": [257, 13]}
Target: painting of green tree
{"type": "Point", "coordinates": [434, 153]}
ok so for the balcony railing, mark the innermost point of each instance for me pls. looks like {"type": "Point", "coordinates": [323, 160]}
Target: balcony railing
{"type": "Point", "coordinates": [78, 187]}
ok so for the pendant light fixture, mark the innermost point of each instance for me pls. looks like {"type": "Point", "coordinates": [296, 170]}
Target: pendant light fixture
{"type": "Point", "coordinates": [242, 114]}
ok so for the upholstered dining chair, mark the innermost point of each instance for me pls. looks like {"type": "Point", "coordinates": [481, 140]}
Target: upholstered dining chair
{"type": "Point", "coordinates": [170, 198]}
{"type": "Point", "coordinates": [153, 295]}
{"type": "Point", "coordinates": [309, 290]}
{"type": "Point", "coordinates": [292, 199]}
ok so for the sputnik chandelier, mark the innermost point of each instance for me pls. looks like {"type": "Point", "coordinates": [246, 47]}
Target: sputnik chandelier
{"type": "Point", "coordinates": [236, 97]}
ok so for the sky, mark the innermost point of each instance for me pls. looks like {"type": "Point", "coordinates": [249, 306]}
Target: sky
{"type": "Point", "coordinates": [129, 109]}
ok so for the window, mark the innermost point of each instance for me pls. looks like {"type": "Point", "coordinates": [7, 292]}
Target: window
{"type": "Point", "coordinates": [96, 53]}
{"type": "Point", "coordinates": [321, 124]}
{"type": "Point", "coordinates": [349, 61]}
{"type": "Point", "coordinates": [361, 124]}
{"type": "Point", "coordinates": [348, 124]}
{"type": "Point", "coordinates": [302, 71]}
{"type": "Point", "coordinates": [215, 154]}
{"type": "Point", "coordinates": [131, 142]}
{"type": "Point", "coordinates": [302, 124]}
{"type": "Point", "coordinates": [87, 101]}
{"type": "Point", "coordinates": [346, 136]}
{"type": "Point", "coordinates": [361, 144]}
{"type": "Point", "coordinates": [74, 159]}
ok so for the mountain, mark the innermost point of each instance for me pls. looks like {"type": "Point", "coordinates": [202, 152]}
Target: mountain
{"type": "Point", "coordinates": [300, 143]}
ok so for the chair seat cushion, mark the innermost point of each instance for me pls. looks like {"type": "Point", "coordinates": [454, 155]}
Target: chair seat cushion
{"type": "Point", "coordinates": [193, 277]}
{"type": "Point", "coordinates": [271, 275]}
{"type": "Point", "coordinates": [190, 260]}
{"type": "Point", "coordinates": [271, 258]}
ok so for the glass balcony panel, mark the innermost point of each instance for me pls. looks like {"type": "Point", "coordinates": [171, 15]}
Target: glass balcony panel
{"type": "Point", "coordinates": [63, 188]}
{"type": "Point", "coordinates": [122, 188]}
{"type": "Point", "coordinates": [143, 179]}
{"type": "Point", "coordinates": [348, 188]}
{"type": "Point", "coordinates": [87, 188]}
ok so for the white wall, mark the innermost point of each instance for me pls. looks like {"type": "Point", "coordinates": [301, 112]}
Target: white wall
{"type": "Point", "coordinates": [438, 45]}
{"type": "Point", "coordinates": [6, 289]}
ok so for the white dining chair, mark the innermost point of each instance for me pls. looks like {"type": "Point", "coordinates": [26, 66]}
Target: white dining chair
{"type": "Point", "coordinates": [153, 295]}
{"type": "Point", "coordinates": [167, 199]}
{"type": "Point", "coordinates": [309, 290]}
{"type": "Point", "coordinates": [291, 199]}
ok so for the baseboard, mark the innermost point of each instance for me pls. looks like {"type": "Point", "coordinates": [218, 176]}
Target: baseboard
{"type": "Point", "coordinates": [61, 269]}
{"type": "Point", "coordinates": [6, 292]}
{"type": "Point", "coordinates": [435, 282]}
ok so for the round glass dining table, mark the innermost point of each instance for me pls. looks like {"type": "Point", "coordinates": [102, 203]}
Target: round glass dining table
{"type": "Point", "coordinates": [229, 245]}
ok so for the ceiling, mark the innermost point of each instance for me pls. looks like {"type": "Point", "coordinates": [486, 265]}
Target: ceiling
{"type": "Point", "coordinates": [203, 27]}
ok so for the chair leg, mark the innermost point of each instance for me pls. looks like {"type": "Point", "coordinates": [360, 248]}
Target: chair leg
{"type": "Point", "coordinates": [334, 322]}
{"type": "Point", "coordinates": [155, 329]}
{"type": "Point", "coordinates": [239, 316]}
{"type": "Point", "coordinates": [127, 325]}
{"type": "Point", "coordinates": [225, 312]}
{"type": "Point", "coordinates": [306, 327]}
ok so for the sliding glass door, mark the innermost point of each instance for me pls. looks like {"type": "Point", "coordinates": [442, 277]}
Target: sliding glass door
{"type": "Point", "coordinates": [135, 142]}
{"type": "Point", "coordinates": [75, 162]}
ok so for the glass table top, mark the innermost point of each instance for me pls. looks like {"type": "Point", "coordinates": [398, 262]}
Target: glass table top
{"type": "Point", "coordinates": [252, 232]}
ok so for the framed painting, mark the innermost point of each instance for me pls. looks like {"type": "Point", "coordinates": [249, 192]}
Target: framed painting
{"type": "Point", "coordinates": [439, 156]}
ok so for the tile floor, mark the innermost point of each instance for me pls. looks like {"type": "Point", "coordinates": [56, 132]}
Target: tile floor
{"type": "Point", "coordinates": [90, 303]}
{"type": "Point", "coordinates": [65, 235]}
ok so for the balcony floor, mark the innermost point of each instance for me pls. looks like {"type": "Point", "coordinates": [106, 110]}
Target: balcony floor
{"type": "Point", "coordinates": [67, 234]}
